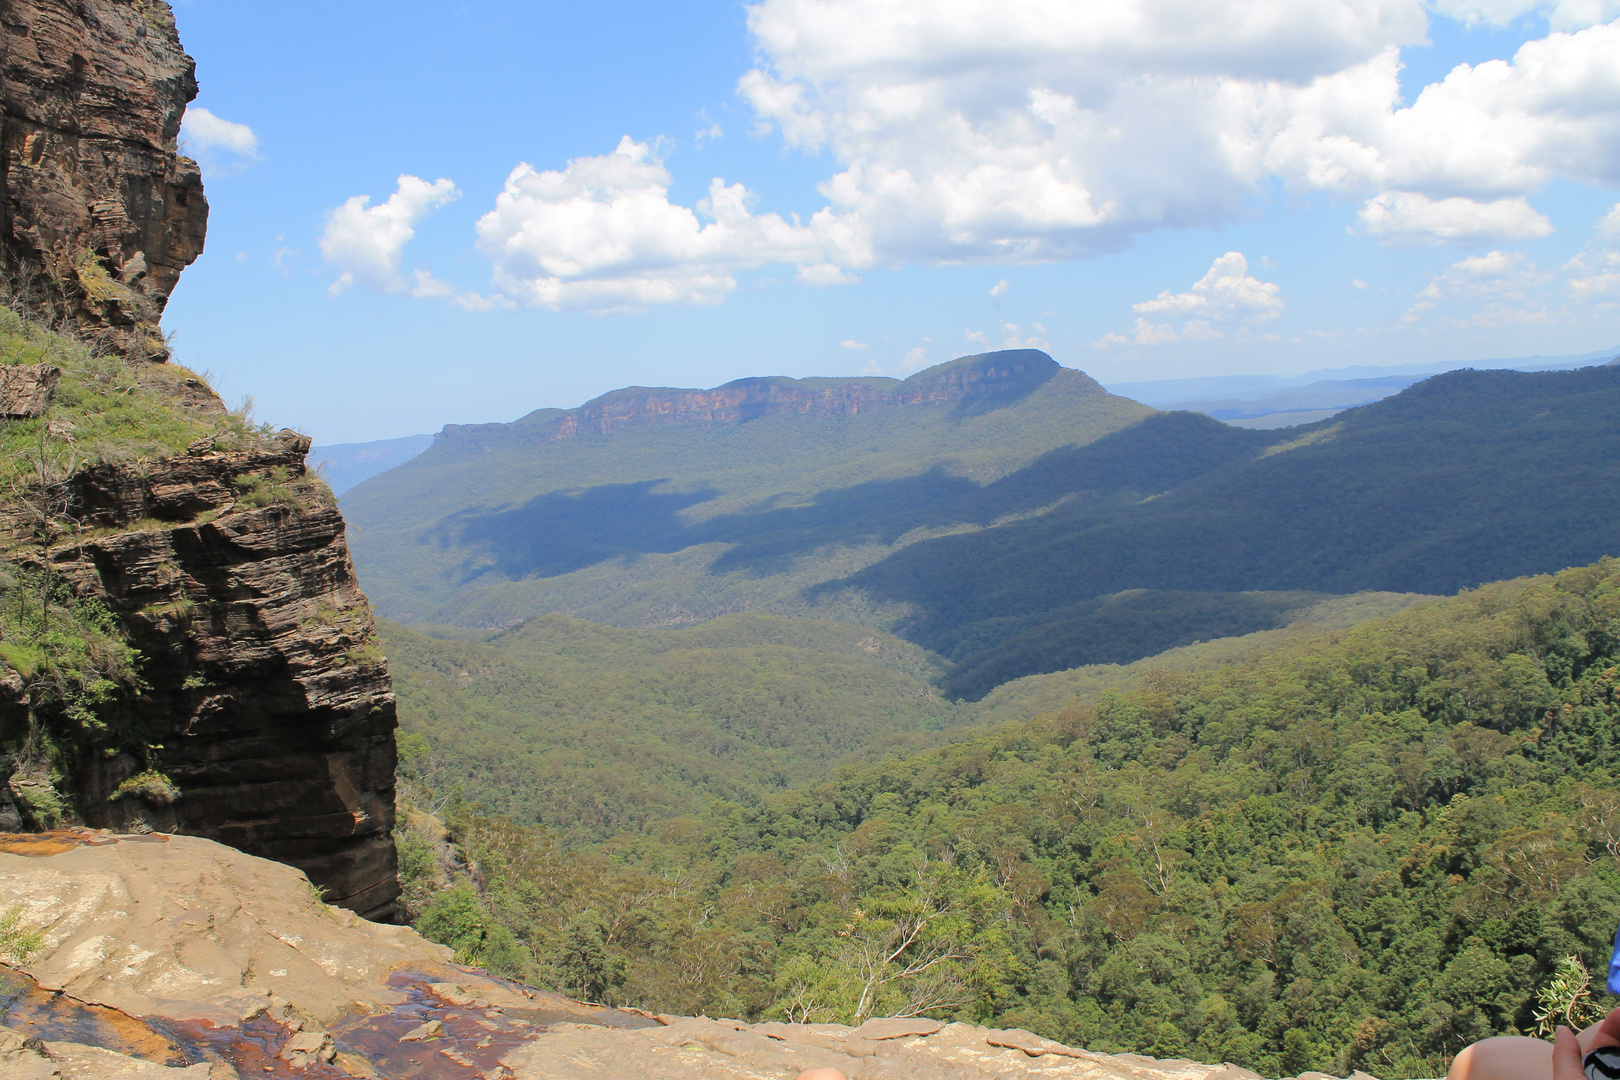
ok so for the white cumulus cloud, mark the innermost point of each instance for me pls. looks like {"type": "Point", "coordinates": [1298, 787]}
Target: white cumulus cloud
{"type": "Point", "coordinates": [975, 130]}
{"type": "Point", "coordinates": [602, 234]}
{"type": "Point", "coordinates": [366, 243]}
{"type": "Point", "coordinates": [1495, 289]}
{"type": "Point", "coordinates": [821, 275]}
{"type": "Point", "coordinates": [1502, 274]}
{"type": "Point", "coordinates": [1560, 14]}
{"type": "Point", "coordinates": [1227, 291]}
{"type": "Point", "coordinates": [1594, 274]}
{"type": "Point", "coordinates": [202, 130]}
{"type": "Point", "coordinates": [981, 131]}
{"type": "Point", "coordinates": [219, 145]}
{"type": "Point", "coordinates": [1226, 294]}
{"type": "Point", "coordinates": [1405, 217]}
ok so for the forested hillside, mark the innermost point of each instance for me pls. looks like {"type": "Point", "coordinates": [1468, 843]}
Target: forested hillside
{"type": "Point", "coordinates": [1361, 850]}
{"type": "Point", "coordinates": [1048, 528]}
{"type": "Point", "coordinates": [1467, 477]}
{"type": "Point", "coordinates": [594, 730]}
{"type": "Point", "coordinates": [652, 507]}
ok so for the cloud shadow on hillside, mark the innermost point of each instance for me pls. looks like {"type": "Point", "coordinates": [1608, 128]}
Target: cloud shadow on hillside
{"type": "Point", "coordinates": [561, 532]}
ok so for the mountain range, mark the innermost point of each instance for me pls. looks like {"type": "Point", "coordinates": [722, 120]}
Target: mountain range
{"type": "Point", "coordinates": [1007, 514]}
{"type": "Point", "coordinates": [1260, 401]}
{"type": "Point", "coordinates": [988, 694]}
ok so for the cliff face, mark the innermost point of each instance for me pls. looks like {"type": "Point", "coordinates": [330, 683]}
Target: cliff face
{"type": "Point", "coordinates": [262, 716]}
{"type": "Point", "coordinates": [973, 383]}
{"type": "Point", "coordinates": [265, 703]}
{"type": "Point", "coordinates": [100, 213]}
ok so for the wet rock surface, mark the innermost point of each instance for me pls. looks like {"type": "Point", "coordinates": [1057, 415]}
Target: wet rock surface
{"type": "Point", "coordinates": [232, 969]}
{"type": "Point", "coordinates": [101, 213]}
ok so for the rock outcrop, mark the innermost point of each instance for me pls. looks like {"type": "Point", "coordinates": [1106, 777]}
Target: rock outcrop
{"type": "Point", "coordinates": [25, 390]}
{"type": "Point", "coordinates": [971, 383]}
{"type": "Point", "coordinates": [233, 960]}
{"type": "Point", "coordinates": [100, 213]}
{"type": "Point", "coordinates": [267, 719]}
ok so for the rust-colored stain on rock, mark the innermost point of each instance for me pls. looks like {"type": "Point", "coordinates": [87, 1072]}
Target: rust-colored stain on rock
{"type": "Point", "coordinates": [51, 1017]}
{"type": "Point", "coordinates": [45, 844]}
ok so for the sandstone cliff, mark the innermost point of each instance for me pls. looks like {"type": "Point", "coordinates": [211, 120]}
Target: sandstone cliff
{"type": "Point", "coordinates": [972, 383]}
{"type": "Point", "coordinates": [254, 709]}
{"type": "Point", "coordinates": [238, 971]}
{"type": "Point", "coordinates": [100, 213]}
{"type": "Point", "coordinates": [264, 716]}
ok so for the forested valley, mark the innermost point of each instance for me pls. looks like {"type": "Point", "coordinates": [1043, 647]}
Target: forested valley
{"type": "Point", "coordinates": [1361, 849]}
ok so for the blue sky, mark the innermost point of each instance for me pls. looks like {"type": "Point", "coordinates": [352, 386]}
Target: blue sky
{"type": "Point", "coordinates": [1145, 188]}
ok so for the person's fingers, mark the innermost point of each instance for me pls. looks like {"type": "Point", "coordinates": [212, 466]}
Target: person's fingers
{"type": "Point", "coordinates": [1609, 1031]}
{"type": "Point", "coordinates": [834, 1074]}
{"type": "Point", "coordinates": [1567, 1056]}
{"type": "Point", "coordinates": [1605, 1032]}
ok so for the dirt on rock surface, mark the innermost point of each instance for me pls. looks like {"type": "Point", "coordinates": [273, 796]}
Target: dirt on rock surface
{"type": "Point", "coordinates": [177, 958]}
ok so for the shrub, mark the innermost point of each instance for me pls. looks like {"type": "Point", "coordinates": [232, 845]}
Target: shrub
{"type": "Point", "coordinates": [150, 785]}
{"type": "Point", "coordinates": [17, 942]}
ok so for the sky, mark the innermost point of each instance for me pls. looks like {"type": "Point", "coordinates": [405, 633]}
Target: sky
{"type": "Point", "coordinates": [425, 214]}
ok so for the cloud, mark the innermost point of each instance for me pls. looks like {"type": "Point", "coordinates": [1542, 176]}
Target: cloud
{"type": "Point", "coordinates": [1403, 218]}
{"type": "Point", "coordinates": [1226, 294]}
{"type": "Point", "coordinates": [1503, 280]}
{"type": "Point", "coordinates": [1594, 274]}
{"type": "Point", "coordinates": [601, 234]}
{"type": "Point", "coordinates": [203, 130]}
{"type": "Point", "coordinates": [221, 146]}
{"type": "Point", "coordinates": [851, 343]}
{"type": "Point", "coordinates": [1560, 14]}
{"type": "Point", "coordinates": [821, 275]}
{"type": "Point", "coordinates": [999, 289]}
{"type": "Point", "coordinates": [366, 243]}
{"type": "Point", "coordinates": [1498, 274]}
{"type": "Point", "coordinates": [1013, 338]}
{"type": "Point", "coordinates": [976, 131]}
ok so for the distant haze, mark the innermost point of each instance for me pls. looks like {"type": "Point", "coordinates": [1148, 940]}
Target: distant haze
{"type": "Point", "coordinates": [1253, 401]}
{"type": "Point", "coordinates": [346, 464]}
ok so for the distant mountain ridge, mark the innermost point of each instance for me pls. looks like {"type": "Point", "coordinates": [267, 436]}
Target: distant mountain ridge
{"type": "Point", "coordinates": [1264, 402]}
{"type": "Point", "coordinates": [983, 379]}
{"type": "Point", "coordinates": [1467, 477]}
{"type": "Point", "coordinates": [1172, 393]}
{"type": "Point", "coordinates": [343, 465]}
{"type": "Point", "coordinates": [1255, 401]}
{"type": "Point", "coordinates": [651, 507]}
{"type": "Point", "coordinates": [1005, 513]}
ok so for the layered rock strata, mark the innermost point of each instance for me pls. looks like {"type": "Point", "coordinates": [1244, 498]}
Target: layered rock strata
{"type": "Point", "coordinates": [267, 717]}
{"type": "Point", "coordinates": [248, 973]}
{"type": "Point", "coordinates": [987, 379]}
{"type": "Point", "coordinates": [100, 212]}
{"type": "Point", "coordinates": [25, 390]}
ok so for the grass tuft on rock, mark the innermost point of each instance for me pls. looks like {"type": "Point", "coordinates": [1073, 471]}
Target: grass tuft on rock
{"type": "Point", "coordinates": [150, 785]}
{"type": "Point", "coordinates": [107, 408]}
{"type": "Point", "coordinates": [17, 942]}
